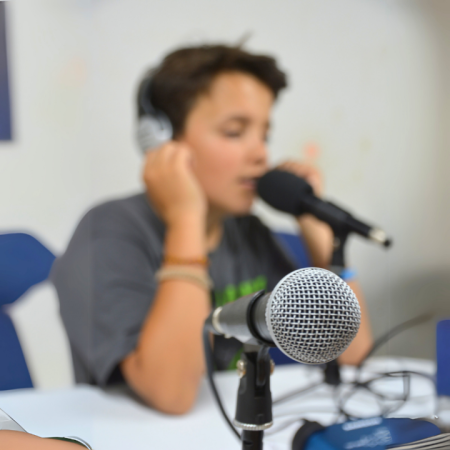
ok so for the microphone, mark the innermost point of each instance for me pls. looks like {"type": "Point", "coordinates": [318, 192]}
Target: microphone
{"type": "Point", "coordinates": [312, 316]}
{"type": "Point", "coordinates": [291, 194]}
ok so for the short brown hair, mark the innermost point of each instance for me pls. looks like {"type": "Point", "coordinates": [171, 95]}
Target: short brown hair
{"type": "Point", "coordinates": [188, 72]}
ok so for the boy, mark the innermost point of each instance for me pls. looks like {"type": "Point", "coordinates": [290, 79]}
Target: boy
{"type": "Point", "coordinates": [134, 283]}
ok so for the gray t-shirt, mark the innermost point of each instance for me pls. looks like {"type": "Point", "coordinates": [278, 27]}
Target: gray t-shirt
{"type": "Point", "coordinates": [105, 280]}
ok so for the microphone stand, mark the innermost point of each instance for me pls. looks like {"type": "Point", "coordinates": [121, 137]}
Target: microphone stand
{"type": "Point", "coordinates": [254, 400]}
{"type": "Point", "coordinates": [338, 257]}
{"type": "Point", "coordinates": [332, 372]}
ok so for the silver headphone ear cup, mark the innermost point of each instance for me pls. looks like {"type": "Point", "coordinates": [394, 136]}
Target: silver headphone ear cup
{"type": "Point", "coordinates": [152, 132]}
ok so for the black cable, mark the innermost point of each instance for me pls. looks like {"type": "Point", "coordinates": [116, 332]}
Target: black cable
{"type": "Point", "coordinates": [393, 332]}
{"type": "Point", "coordinates": [385, 338]}
{"type": "Point", "coordinates": [210, 370]}
{"type": "Point", "coordinates": [402, 400]}
{"type": "Point", "coordinates": [404, 374]}
{"type": "Point", "coordinates": [355, 386]}
{"type": "Point", "coordinates": [296, 393]}
{"type": "Point", "coordinates": [411, 372]}
{"type": "Point", "coordinates": [367, 386]}
{"type": "Point", "coordinates": [377, 344]}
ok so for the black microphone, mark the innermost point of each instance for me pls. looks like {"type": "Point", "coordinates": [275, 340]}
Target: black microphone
{"type": "Point", "coordinates": [312, 316]}
{"type": "Point", "coordinates": [291, 194]}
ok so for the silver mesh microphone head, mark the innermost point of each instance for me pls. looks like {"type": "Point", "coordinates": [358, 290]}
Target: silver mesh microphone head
{"type": "Point", "coordinates": [312, 315]}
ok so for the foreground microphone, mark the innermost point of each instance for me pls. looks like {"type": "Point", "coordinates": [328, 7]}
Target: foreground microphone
{"type": "Point", "coordinates": [312, 315]}
{"type": "Point", "coordinates": [292, 194]}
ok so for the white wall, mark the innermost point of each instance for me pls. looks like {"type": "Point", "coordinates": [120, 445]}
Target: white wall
{"type": "Point", "coordinates": [366, 87]}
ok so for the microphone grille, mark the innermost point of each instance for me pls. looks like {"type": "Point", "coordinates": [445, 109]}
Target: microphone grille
{"type": "Point", "coordinates": [313, 315]}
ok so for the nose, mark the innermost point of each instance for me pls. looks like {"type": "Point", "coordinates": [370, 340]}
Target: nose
{"type": "Point", "coordinates": [257, 151]}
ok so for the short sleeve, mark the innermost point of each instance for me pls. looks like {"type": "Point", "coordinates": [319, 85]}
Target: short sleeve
{"type": "Point", "coordinates": [105, 283]}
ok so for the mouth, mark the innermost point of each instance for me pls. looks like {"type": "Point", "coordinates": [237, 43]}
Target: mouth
{"type": "Point", "coordinates": [249, 182]}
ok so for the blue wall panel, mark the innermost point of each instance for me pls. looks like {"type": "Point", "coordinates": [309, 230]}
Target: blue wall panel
{"type": "Point", "coordinates": [5, 99]}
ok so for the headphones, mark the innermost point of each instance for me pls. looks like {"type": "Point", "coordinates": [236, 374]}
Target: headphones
{"type": "Point", "coordinates": [154, 127]}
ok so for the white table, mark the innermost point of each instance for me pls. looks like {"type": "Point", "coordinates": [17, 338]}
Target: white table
{"type": "Point", "coordinates": [115, 420]}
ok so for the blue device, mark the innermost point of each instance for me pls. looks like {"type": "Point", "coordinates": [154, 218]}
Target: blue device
{"type": "Point", "coordinates": [443, 357]}
{"type": "Point", "coordinates": [375, 433]}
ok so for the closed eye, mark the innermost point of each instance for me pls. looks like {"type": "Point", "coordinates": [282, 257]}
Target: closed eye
{"type": "Point", "coordinates": [233, 133]}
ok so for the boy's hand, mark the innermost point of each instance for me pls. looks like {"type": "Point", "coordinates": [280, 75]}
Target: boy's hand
{"type": "Point", "coordinates": [317, 234]}
{"type": "Point", "coordinates": [306, 171]}
{"type": "Point", "coordinates": [171, 184]}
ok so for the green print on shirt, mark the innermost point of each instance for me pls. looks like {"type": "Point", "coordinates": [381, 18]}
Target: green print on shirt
{"type": "Point", "coordinates": [232, 293]}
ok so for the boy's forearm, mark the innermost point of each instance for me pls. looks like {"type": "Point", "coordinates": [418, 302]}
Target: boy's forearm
{"type": "Point", "coordinates": [17, 440]}
{"type": "Point", "coordinates": [318, 238]}
{"type": "Point", "coordinates": [167, 366]}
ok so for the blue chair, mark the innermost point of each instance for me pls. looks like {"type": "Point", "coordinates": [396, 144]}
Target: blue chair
{"type": "Point", "coordinates": [24, 262]}
{"type": "Point", "coordinates": [295, 247]}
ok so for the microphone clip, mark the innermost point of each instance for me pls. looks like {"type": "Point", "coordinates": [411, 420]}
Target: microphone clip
{"type": "Point", "coordinates": [254, 399]}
